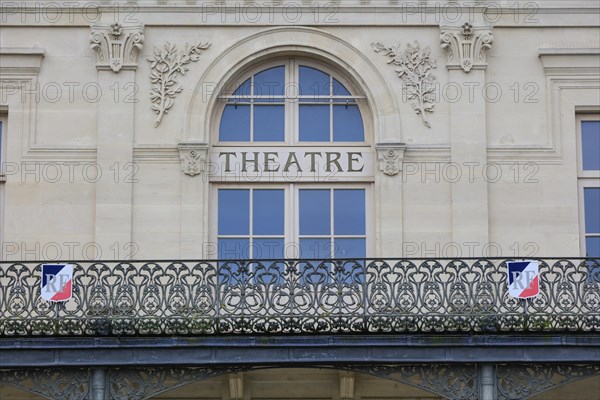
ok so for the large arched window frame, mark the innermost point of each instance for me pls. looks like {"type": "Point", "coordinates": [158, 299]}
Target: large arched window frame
{"type": "Point", "coordinates": [340, 222]}
{"type": "Point", "coordinates": [245, 98]}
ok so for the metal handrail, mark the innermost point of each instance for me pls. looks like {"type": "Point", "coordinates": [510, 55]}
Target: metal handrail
{"type": "Point", "coordinates": [383, 295]}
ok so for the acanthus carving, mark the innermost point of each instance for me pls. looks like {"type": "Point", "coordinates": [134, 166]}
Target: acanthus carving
{"type": "Point", "coordinates": [193, 157]}
{"type": "Point", "coordinates": [467, 46]}
{"type": "Point", "coordinates": [391, 156]}
{"type": "Point", "coordinates": [414, 67]}
{"type": "Point", "coordinates": [166, 65]}
{"type": "Point", "coordinates": [117, 46]}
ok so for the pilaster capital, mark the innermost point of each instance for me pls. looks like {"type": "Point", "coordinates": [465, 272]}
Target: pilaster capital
{"type": "Point", "coordinates": [116, 46]}
{"type": "Point", "coordinates": [390, 156]}
{"type": "Point", "coordinates": [193, 156]}
{"type": "Point", "coordinates": [467, 46]}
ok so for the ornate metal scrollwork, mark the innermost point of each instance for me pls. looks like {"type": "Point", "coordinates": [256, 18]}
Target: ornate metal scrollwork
{"type": "Point", "coordinates": [144, 383]}
{"type": "Point", "coordinates": [521, 381]}
{"type": "Point", "coordinates": [452, 381]}
{"type": "Point", "coordinates": [51, 383]}
{"type": "Point", "coordinates": [299, 296]}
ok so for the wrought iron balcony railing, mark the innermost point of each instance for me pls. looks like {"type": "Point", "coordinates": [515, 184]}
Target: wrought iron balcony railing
{"type": "Point", "coordinates": [299, 296]}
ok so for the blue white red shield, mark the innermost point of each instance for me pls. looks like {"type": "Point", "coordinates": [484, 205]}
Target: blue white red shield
{"type": "Point", "coordinates": [57, 282]}
{"type": "Point", "coordinates": [523, 279]}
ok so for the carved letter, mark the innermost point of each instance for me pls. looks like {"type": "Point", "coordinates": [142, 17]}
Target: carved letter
{"type": "Point", "coordinates": [292, 159]}
{"type": "Point", "coordinates": [332, 158]}
{"type": "Point", "coordinates": [352, 160]}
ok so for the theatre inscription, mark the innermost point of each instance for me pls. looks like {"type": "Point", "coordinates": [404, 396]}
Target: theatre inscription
{"type": "Point", "coordinates": [299, 164]}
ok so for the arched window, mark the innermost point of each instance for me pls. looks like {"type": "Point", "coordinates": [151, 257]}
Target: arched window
{"type": "Point", "coordinates": [304, 189]}
{"type": "Point", "coordinates": [292, 102]}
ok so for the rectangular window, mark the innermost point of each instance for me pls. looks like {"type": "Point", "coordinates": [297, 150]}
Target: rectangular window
{"type": "Point", "coordinates": [251, 223]}
{"type": "Point", "coordinates": [291, 221]}
{"type": "Point", "coordinates": [332, 223]}
{"type": "Point", "coordinates": [589, 183]}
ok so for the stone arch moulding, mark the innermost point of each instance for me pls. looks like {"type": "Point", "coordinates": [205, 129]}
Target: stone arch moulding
{"type": "Point", "coordinates": [306, 41]}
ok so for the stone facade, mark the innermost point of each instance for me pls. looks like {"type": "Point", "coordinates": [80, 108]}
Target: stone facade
{"type": "Point", "coordinates": [110, 111]}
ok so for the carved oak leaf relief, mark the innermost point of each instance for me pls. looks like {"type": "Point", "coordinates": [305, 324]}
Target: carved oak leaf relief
{"type": "Point", "coordinates": [166, 65]}
{"type": "Point", "coordinates": [414, 66]}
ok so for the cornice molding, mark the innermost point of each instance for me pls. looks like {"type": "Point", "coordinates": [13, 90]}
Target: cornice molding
{"type": "Point", "coordinates": [117, 46]}
{"type": "Point", "coordinates": [570, 61]}
{"type": "Point", "coordinates": [466, 45]}
{"type": "Point", "coordinates": [21, 60]}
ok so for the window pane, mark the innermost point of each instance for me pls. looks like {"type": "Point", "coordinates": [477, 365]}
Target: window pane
{"type": "Point", "coordinates": [313, 82]}
{"type": "Point", "coordinates": [269, 123]}
{"type": "Point", "coordinates": [315, 248]}
{"type": "Point", "coordinates": [347, 124]}
{"type": "Point", "coordinates": [592, 210]}
{"type": "Point", "coordinates": [314, 123]}
{"type": "Point", "coordinates": [234, 249]}
{"type": "Point", "coordinates": [235, 124]}
{"type": "Point", "coordinates": [349, 212]}
{"type": "Point", "coordinates": [315, 213]}
{"type": "Point", "coordinates": [592, 246]}
{"type": "Point", "coordinates": [270, 82]}
{"type": "Point", "coordinates": [339, 89]}
{"type": "Point", "coordinates": [267, 249]}
{"type": "Point", "coordinates": [234, 212]}
{"type": "Point", "coordinates": [350, 248]}
{"type": "Point", "coordinates": [243, 90]}
{"type": "Point", "coordinates": [590, 145]}
{"type": "Point", "coordinates": [269, 212]}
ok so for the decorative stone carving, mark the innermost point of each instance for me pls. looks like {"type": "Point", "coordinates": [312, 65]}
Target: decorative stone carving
{"type": "Point", "coordinates": [414, 67]}
{"type": "Point", "coordinates": [117, 46]}
{"type": "Point", "coordinates": [390, 157]}
{"type": "Point", "coordinates": [166, 65]}
{"type": "Point", "coordinates": [467, 46]}
{"type": "Point", "coordinates": [193, 157]}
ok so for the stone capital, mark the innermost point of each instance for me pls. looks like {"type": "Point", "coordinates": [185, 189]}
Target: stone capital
{"type": "Point", "coordinates": [117, 46]}
{"type": "Point", "coordinates": [193, 156]}
{"type": "Point", "coordinates": [390, 156]}
{"type": "Point", "coordinates": [466, 45]}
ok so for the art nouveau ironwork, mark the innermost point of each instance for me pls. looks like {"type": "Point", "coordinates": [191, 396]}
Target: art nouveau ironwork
{"type": "Point", "coordinates": [299, 296]}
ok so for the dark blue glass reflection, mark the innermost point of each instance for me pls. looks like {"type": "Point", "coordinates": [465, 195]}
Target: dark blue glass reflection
{"type": "Point", "coordinates": [315, 248]}
{"type": "Point", "coordinates": [234, 249]}
{"type": "Point", "coordinates": [234, 212]}
{"type": "Point", "coordinates": [269, 123]}
{"type": "Point", "coordinates": [592, 246]}
{"type": "Point", "coordinates": [590, 145]}
{"type": "Point", "coordinates": [268, 212]}
{"type": "Point", "coordinates": [347, 124]}
{"type": "Point", "coordinates": [349, 212]}
{"type": "Point", "coordinates": [245, 89]}
{"type": "Point", "coordinates": [235, 124]}
{"type": "Point", "coordinates": [270, 82]}
{"type": "Point", "coordinates": [267, 248]}
{"type": "Point", "coordinates": [313, 82]}
{"type": "Point", "coordinates": [349, 248]}
{"type": "Point", "coordinates": [314, 123]}
{"type": "Point", "coordinates": [315, 213]}
{"type": "Point", "coordinates": [592, 210]}
{"type": "Point", "coordinates": [339, 89]}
